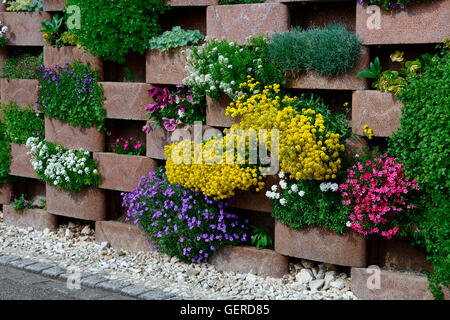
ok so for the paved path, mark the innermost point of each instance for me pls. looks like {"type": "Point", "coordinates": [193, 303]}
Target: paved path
{"type": "Point", "coordinates": [16, 284]}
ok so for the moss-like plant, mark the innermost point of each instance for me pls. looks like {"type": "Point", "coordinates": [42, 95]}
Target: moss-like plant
{"type": "Point", "coordinates": [5, 154]}
{"type": "Point", "coordinates": [22, 66]}
{"type": "Point", "coordinates": [175, 38]}
{"type": "Point", "coordinates": [22, 123]}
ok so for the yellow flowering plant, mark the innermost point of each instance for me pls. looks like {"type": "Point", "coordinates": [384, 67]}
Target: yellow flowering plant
{"type": "Point", "coordinates": [310, 137]}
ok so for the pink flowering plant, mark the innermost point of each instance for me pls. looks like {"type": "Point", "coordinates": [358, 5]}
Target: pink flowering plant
{"type": "Point", "coordinates": [131, 146]}
{"type": "Point", "coordinates": [173, 109]}
{"type": "Point", "coordinates": [377, 193]}
{"type": "Point", "coordinates": [21, 203]}
{"type": "Point", "coordinates": [181, 222]}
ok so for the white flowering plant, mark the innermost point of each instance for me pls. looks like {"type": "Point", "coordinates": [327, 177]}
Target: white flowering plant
{"type": "Point", "coordinates": [304, 203]}
{"type": "Point", "coordinates": [70, 170]}
{"type": "Point", "coordinates": [3, 31]}
{"type": "Point", "coordinates": [219, 66]}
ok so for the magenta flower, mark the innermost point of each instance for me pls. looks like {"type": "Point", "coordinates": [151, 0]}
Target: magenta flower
{"type": "Point", "coordinates": [147, 129]}
{"type": "Point", "coordinates": [170, 124]}
{"type": "Point", "coordinates": [152, 107]}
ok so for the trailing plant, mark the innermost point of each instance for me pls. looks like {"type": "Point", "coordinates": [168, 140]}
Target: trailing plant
{"type": "Point", "coordinates": [21, 203]}
{"type": "Point", "coordinates": [174, 108]}
{"type": "Point", "coordinates": [261, 237]}
{"type": "Point", "coordinates": [22, 66]}
{"type": "Point", "coordinates": [308, 203]}
{"type": "Point", "coordinates": [182, 223]}
{"type": "Point", "coordinates": [393, 4]}
{"type": "Point", "coordinates": [220, 66]}
{"type": "Point", "coordinates": [3, 31]}
{"type": "Point", "coordinates": [310, 137]}
{"type": "Point", "coordinates": [378, 194]}
{"type": "Point", "coordinates": [23, 5]}
{"type": "Point", "coordinates": [22, 123]}
{"type": "Point", "coordinates": [421, 143]}
{"type": "Point", "coordinates": [71, 170]}
{"type": "Point", "coordinates": [130, 146]}
{"type": "Point", "coordinates": [72, 94]}
{"type": "Point", "coordinates": [5, 154]}
{"type": "Point", "coordinates": [112, 29]}
{"type": "Point", "coordinates": [329, 51]}
{"type": "Point", "coordinates": [175, 38]}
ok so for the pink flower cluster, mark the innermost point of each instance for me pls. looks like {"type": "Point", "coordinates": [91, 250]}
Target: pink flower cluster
{"type": "Point", "coordinates": [376, 189]}
{"type": "Point", "coordinates": [130, 146]}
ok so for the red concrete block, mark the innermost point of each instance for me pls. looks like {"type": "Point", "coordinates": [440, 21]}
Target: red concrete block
{"type": "Point", "coordinates": [354, 145]}
{"type": "Point", "coordinates": [255, 201]}
{"type": "Point", "coordinates": [417, 23]}
{"type": "Point", "coordinates": [5, 189]}
{"type": "Point", "coordinates": [67, 55]}
{"type": "Point", "coordinates": [165, 67]}
{"type": "Point", "coordinates": [237, 22]}
{"type": "Point", "coordinates": [319, 244]}
{"type": "Point", "coordinates": [53, 5]}
{"type": "Point", "coordinates": [122, 172]}
{"type": "Point", "coordinates": [245, 259]}
{"type": "Point", "coordinates": [122, 235]}
{"type": "Point", "coordinates": [4, 55]}
{"type": "Point", "coordinates": [89, 139]}
{"type": "Point", "coordinates": [38, 219]}
{"type": "Point", "coordinates": [393, 286]}
{"type": "Point", "coordinates": [21, 162]}
{"type": "Point", "coordinates": [126, 100]}
{"type": "Point", "coordinates": [2, 7]}
{"type": "Point", "coordinates": [215, 113]}
{"type": "Point", "coordinates": [88, 204]}
{"type": "Point", "coordinates": [346, 81]}
{"type": "Point", "coordinates": [400, 254]}
{"type": "Point", "coordinates": [379, 110]}
{"type": "Point", "coordinates": [21, 91]}
{"type": "Point", "coordinates": [160, 137]}
{"type": "Point", "coordinates": [23, 27]}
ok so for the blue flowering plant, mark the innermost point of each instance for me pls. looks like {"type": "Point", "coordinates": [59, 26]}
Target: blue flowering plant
{"type": "Point", "coordinates": [182, 223]}
{"type": "Point", "coordinates": [71, 93]}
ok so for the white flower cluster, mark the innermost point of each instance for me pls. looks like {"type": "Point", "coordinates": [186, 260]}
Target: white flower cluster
{"type": "Point", "coordinates": [56, 167]}
{"type": "Point", "coordinates": [273, 194]}
{"type": "Point", "coordinates": [3, 30]}
{"type": "Point", "coordinates": [199, 72]}
{"type": "Point", "coordinates": [324, 187]}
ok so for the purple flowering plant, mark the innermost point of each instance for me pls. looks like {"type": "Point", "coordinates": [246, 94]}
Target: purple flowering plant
{"type": "Point", "coordinates": [393, 4]}
{"type": "Point", "coordinates": [180, 222]}
{"type": "Point", "coordinates": [71, 93]}
{"type": "Point", "coordinates": [174, 108]}
{"type": "Point", "coordinates": [21, 203]}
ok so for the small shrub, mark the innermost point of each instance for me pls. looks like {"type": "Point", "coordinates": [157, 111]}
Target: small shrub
{"type": "Point", "coordinates": [22, 66]}
{"type": "Point", "coordinates": [112, 29]}
{"type": "Point", "coordinates": [22, 123]}
{"type": "Point", "coordinates": [70, 170]}
{"type": "Point", "coordinates": [72, 94]}
{"type": "Point", "coordinates": [175, 38]}
{"type": "Point", "coordinates": [182, 223]}
{"type": "Point", "coordinates": [329, 51]}
{"type": "Point", "coordinates": [23, 5]}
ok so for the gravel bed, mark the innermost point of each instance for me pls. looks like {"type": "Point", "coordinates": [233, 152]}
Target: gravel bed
{"type": "Point", "coordinates": [74, 246]}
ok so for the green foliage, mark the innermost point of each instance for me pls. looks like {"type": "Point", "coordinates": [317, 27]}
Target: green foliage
{"type": "Point", "coordinates": [309, 203]}
{"type": "Point", "coordinates": [5, 154]}
{"type": "Point", "coordinates": [22, 123]}
{"type": "Point", "coordinates": [224, 2]}
{"type": "Point", "coordinates": [220, 66]}
{"type": "Point", "coordinates": [261, 237]}
{"type": "Point", "coordinates": [22, 66]}
{"type": "Point", "coordinates": [394, 4]}
{"type": "Point", "coordinates": [24, 5]}
{"type": "Point", "coordinates": [175, 38]}
{"type": "Point", "coordinates": [111, 29]}
{"type": "Point", "coordinates": [329, 51]}
{"type": "Point", "coordinates": [21, 203]}
{"type": "Point", "coordinates": [421, 143]}
{"type": "Point", "coordinates": [390, 81]}
{"type": "Point", "coordinates": [72, 94]}
{"type": "Point", "coordinates": [374, 71]}
{"type": "Point", "coordinates": [71, 170]}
